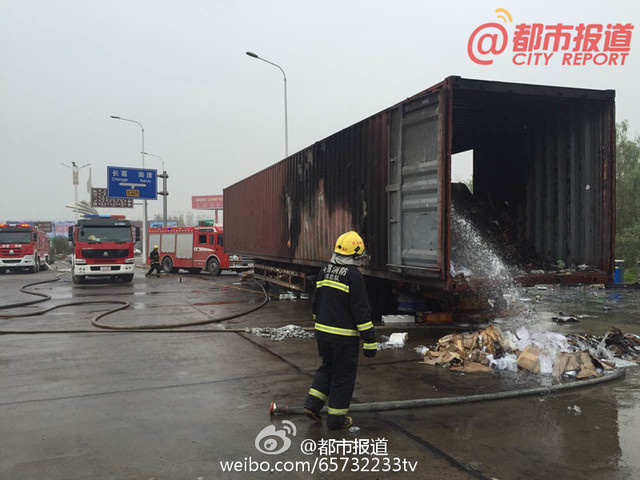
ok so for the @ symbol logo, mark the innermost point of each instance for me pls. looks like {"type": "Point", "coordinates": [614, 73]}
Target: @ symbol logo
{"type": "Point", "coordinates": [489, 39]}
{"type": "Point", "coordinates": [274, 442]}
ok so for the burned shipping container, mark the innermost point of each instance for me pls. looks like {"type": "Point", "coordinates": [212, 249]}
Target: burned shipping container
{"type": "Point", "coordinates": [546, 153]}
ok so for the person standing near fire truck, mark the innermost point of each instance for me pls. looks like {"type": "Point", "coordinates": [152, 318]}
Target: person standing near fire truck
{"type": "Point", "coordinates": [154, 258]}
{"type": "Point", "coordinates": [342, 317]}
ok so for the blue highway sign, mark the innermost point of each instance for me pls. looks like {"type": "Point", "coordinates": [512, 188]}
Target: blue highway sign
{"type": "Point", "coordinates": [126, 182]}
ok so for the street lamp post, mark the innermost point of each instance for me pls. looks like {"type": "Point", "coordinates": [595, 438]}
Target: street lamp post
{"type": "Point", "coordinates": [75, 178]}
{"type": "Point", "coordinates": [164, 192]}
{"type": "Point", "coordinates": [286, 122]}
{"type": "Point", "coordinates": [144, 214]}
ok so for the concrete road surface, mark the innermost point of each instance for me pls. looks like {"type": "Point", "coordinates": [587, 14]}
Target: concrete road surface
{"type": "Point", "coordinates": [188, 405]}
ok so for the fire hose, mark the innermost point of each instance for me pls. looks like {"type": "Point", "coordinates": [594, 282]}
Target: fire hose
{"type": "Point", "coordinates": [275, 409]}
{"type": "Point", "coordinates": [121, 305]}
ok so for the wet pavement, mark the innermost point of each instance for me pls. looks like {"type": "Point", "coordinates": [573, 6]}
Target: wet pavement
{"type": "Point", "coordinates": [174, 405]}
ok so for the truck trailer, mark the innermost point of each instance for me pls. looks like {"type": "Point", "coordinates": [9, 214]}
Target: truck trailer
{"type": "Point", "coordinates": [545, 153]}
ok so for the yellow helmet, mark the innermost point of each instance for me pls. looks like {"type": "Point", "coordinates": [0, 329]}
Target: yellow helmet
{"type": "Point", "coordinates": [155, 246]}
{"type": "Point", "coordinates": [349, 243]}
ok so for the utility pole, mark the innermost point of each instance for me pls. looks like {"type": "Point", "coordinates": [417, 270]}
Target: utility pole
{"type": "Point", "coordinates": [164, 176]}
{"type": "Point", "coordinates": [76, 180]}
{"type": "Point", "coordinates": [164, 194]}
{"type": "Point", "coordinates": [144, 202]}
{"type": "Point", "coordinates": [286, 120]}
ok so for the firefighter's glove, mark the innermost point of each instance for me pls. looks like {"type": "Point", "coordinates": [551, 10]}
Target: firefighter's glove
{"type": "Point", "coordinates": [369, 352]}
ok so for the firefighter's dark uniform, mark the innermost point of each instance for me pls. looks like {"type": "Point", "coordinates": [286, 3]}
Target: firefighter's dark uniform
{"type": "Point", "coordinates": [342, 314]}
{"type": "Point", "coordinates": [154, 257]}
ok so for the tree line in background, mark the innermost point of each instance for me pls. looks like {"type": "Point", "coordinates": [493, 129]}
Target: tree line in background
{"type": "Point", "coordinates": [627, 195]}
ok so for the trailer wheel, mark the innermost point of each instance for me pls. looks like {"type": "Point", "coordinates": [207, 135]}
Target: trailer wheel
{"type": "Point", "coordinates": [167, 265]}
{"type": "Point", "coordinates": [36, 266]}
{"type": "Point", "coordinates": [213, 266]}
{"type": "Point", "coordinates": [194, 270]}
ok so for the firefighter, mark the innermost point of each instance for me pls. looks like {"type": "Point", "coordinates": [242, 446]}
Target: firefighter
{"type": "Point", "coordinates": [154, 256]}
{"type": "Point", "coordinates": [342, 317]}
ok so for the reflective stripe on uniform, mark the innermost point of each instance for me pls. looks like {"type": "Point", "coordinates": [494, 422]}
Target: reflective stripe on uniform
{"type": "Point", "coordinates": [315, 393]}
{"type": "Point", "coordinates": [365, 326]}
{"type": "Point", "coordinates": [314, 316]}
{"type": "Point", "coordinates": [338, 411]}
{"type": "Point", "coordinates": [336, 331]}
{"type": "Point", "coordinates": [330, 283]}
{"type": "Point", "coordinates": [370, 346]}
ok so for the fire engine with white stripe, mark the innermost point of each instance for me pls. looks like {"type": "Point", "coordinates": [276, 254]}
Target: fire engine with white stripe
{"type": "Point", "coordinates": [23, 247]}
{"type": "Point", "coordinates": [194, 249]}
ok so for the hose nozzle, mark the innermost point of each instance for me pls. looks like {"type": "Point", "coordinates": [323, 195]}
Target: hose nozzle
{"type": "Point", "coordinates": [275, 409]}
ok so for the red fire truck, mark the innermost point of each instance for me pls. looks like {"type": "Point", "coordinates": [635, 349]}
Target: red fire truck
{"type": "Point", "coordinates": [23, 246]}
{"type": "Point", "coordinates": [103, 247]}
{"type": "Point", "coordinates": [194, 249]}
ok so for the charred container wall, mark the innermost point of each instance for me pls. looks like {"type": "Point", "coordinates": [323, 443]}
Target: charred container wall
{"type": "Point", "coordinates": [546, 152]}
{"type": "Point", "coordinates": [294, 210]}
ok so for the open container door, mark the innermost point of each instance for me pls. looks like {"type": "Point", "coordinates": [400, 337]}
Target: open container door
{"type": "Point", "coordinates": [416, 191]}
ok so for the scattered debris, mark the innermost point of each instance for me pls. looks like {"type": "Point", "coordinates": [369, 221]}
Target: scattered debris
{"type": "Point", "coordinates": [421, 350]}
{"type": "Point", "coordinates": [472, 367]}
{"type": "Point", "coordinates": [562, 318]}
{"type": "Point", "coordinates": [354, 429]}
{"type": "Point", "coordinates": [545, 353]}
{"type": "Point", "coordinates": [529, 359]}
{"type": "Point", "coordinates": [542, 287]}
{"type": "Point", "coordinates": [575, 410]}
{"type": "Point", "coordinates": [288, 296]}
{"type": "Point", "coordinates": [457, 349]}
{"type": "Point", "coordinates": [615, 343]}
{"type": "Point", "coordinates": [396, 340]}
{"type": "Point", "coordinates": [508, 362]}
{"type": "Point", "coordinates": [282, 333]}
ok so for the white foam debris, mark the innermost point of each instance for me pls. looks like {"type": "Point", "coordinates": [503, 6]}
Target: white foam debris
{"type": "Point", "coordinates": [508, 362]}
{"type": "Point", "coordinates": [576, 410]}
{"type": "Point", "coordinates": [396, 340]}
{"type": "Point", "coordinates": [421, 350]}
{"type": "Point", "coordinates": [282, 333]}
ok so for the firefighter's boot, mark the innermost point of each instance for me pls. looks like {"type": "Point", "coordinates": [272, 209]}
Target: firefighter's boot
{"type": "Point", "coordinates": [335, 422]}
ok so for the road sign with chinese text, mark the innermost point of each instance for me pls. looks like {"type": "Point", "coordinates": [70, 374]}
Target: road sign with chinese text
{"type": "Point", "coordinates": [206, 202]}
{"type": "Point", "coordinates": [125, 182]}
{"type": "Point", "coordinates": [100, 199]}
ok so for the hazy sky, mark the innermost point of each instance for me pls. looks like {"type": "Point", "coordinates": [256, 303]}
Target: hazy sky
{"type": "Point", "coordinates": [215, 114]}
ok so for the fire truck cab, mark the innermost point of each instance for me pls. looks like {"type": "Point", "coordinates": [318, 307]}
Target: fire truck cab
{"type": "Point", "coordinates": [23, 247]}
{"type": "Point", "coordinates": [193, 249]}
{"type": "Point", "coordinates": [103, 247]}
